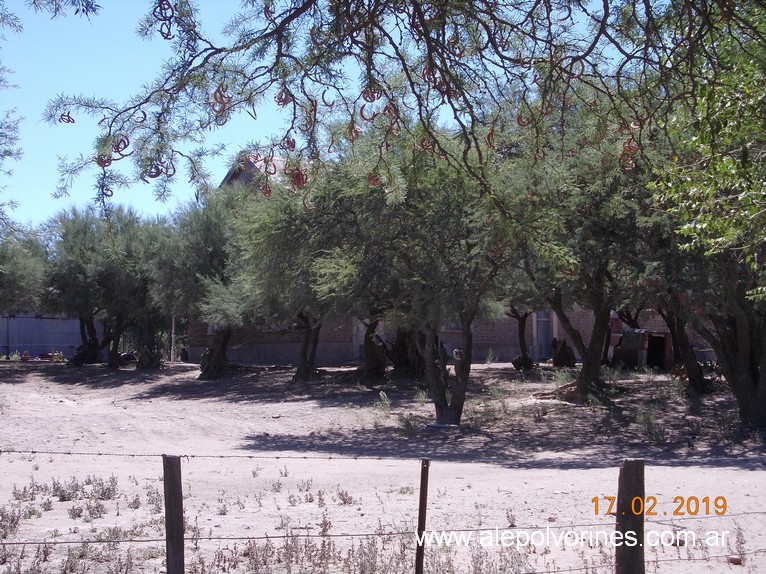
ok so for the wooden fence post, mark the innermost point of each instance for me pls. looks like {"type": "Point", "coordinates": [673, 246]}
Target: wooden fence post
{"type": "Point", "coordinates": [174, 514]}
{"type": "Point", "coordinates": [420, 552]}
{"type": "Point", "coordinates": [629, 559]}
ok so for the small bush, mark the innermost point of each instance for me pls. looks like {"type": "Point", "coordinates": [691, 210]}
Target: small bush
{"type": "Point", "coordinates": [9, 521]}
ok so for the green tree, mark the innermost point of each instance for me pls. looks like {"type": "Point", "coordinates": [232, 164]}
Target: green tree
{"type": "Point", "coordinates": [715, 186]}
{"type": "Point", "coordinates": [714, 189]}
{"type": "Point", "coordinates": [194, 273]}
{"type": "Point", "coordinates": [456, 62]}
{"type": "Point", "coordinates": [418, 247]}
{"type": "Point", "coordinates": [354, 269]}
{"type": "Point", "coordinates": [278, 246]}
{"type": "Point", "coordinates": [578, 206]}
{"type": "Point", "coordinates": [719, 308]}
{"type": "Point", "coordinates": [96, 272]}
{"type": "Point", "coordinates": [22, 264]}
{"type": "Point", "coordinates": [521, 299]}
{"type": "Point", "coordinates": [449, 250]}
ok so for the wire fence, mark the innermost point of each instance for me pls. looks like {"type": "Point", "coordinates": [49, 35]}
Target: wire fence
{"type": "Point", "coordinates": [292, 534]}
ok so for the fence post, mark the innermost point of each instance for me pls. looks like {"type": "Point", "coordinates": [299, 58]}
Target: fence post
{"type": "Point", "coordinates": [630, 517]}
{"type": "Point", "coordinates": [420, 552]}
{"type": "Point", "coordinates": [174, 514]}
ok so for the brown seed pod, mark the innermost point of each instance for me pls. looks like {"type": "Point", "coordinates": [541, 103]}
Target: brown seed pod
{"type": "Point", "coordinates": [103, 160]}
{"type": "Point", "coordinates": [490, 139]}
{"type": "Point", "coordinates": [325, 102]}
{"type": "Point", "coordinates": [371, 95]}
{"type": "Point", "coordinates": [287, 143]}
{"type": "Point", "coordinates": [631, 146]}
{"type": "Point", "coordinates": [353, 132]}
{"type": "Point", "coordinates": [154, 171]}
{"type": "Point", "coordinates": [164, 12]}
{"type": "Point", "coordinates": [283, 97]}
{"type": "Point", "coordinates": [373, 179]}
{"type": "Point", "coordinates": [299, 178]}
{"type": "Point", "coordinates": [120, 144]}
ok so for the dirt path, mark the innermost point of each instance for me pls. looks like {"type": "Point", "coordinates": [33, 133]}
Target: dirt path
{"type": "Point", "coordinates": [268, 457]}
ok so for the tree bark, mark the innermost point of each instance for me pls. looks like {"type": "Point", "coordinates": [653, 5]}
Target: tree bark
{"type": "Point", "coordinates": [214, 362]}
{"type": "Point", "coordinates": [736, 330]}
{"type": "Point", "coordinates": [114, 352]}
{"type": "Point", "coordinates": [311, 327]}
{"type": "Point", "coordinates": [591, 362]}
{"type": "Point", "coordinates": [374, 352]}
{"type": "Point", "coordinates": [114, 336]}
{"type": "Point", "coordinates": [630, 318]}
{"type": "Point", "coordinates": [448, 395]}
{"type": "Point", "coordinates": [526, 362]}
{"type": "Point", "coordinates": [739, 340]}
{"type": "Point", "coordinates": [462, 374]}
{"type": "Point", "coordinates": [89, 352]}
{"type": "Point", "coordinates": [682, 348]}
{"type": "Point", "coordinates": [434, 376]}
{"type": "Point", "coordinates": [590, 355]}
{"type": "Point", "coordinates": [404, 355]}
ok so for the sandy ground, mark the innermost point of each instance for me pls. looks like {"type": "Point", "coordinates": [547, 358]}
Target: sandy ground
{"type": "Point", "coordinates": [308, 464]}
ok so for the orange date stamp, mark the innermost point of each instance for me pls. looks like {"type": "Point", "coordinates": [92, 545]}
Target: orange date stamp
{"type": "Point", "coordinates": [647, 506]}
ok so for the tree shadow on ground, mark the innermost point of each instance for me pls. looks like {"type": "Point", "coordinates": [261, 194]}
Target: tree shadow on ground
{"type": "Point", "coordinates": [513, 450]}
{"type": "Point", "coordinates": [93, 376]}
{"type": "Point", "coordinates": [651, 420]}
{"type": "Point", "coordinates": [337, 388]}
{"type": "Point", "coordinates": [503, 423]}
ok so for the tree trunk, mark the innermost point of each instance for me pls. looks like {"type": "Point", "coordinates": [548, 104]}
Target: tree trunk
{"type": "Point", "coordinates": [404, 354]}
{"type": "Point", "coordinates": [462, 374]}
{"type": "Point", "coordinates": [89, 352]}
{"type": "Point", "coordinates": [114, 352]}
{"type": "Point", "coordinates": [630, 319]}
{"type": "Point", "coordinates": [591, 361]}
{"type": "Point", "coordinates": [670, 322]}
{"type": "Point", "coordinates": [739, 340]}
{"type": "Point", "coordinates": [448, 396]}
{"type": "Point", "coordinates": [112, 340]}
{"type": "Point", "coordinates": [524, 361]}
{"type": "Point", "coordinates": [436, 382]}
{"type": "Point", "coordinates": [311, 327]}
{"type": "Point", "coordinates": [374, 352]}
{"type": "Point", "coordinates": [523, 348]}
{"type": "Point", "coordinates": [214, 362]}
{"type": "Point", "coordinates": [150, 354]}
{"type": "Point", "coordinates": [590, 354]}
{"type": "Point", "coordinates": [682, 348]}
{"type": "Point", "coordinates": [747, 375]}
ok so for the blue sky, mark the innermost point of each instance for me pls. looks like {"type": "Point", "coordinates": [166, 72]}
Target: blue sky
{"type": "Point", "coordinates": [102, 57]}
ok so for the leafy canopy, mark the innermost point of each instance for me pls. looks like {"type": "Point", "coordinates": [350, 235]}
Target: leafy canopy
{"type": "Point", "coordinates": [339, 67]}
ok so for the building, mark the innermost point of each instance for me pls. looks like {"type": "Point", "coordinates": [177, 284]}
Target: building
{"type": "Point", "coordinates": [39, 334]}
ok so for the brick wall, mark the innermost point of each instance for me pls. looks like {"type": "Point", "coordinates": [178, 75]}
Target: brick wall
{"type": "Point", "coordinates": [197, 332]}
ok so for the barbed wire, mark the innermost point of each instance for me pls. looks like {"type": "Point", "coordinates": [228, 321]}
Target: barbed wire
{"type": "Point", "coordinates": [293, 535]}
{"type": "Point", "coordinates": [201, 456]}
{"type": "Point", "coordinates": [76, 542]}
